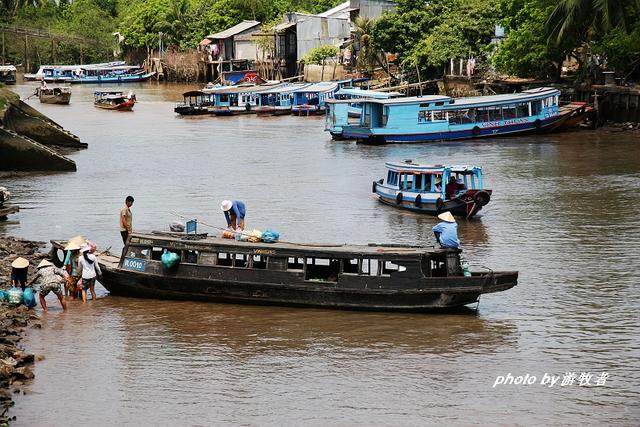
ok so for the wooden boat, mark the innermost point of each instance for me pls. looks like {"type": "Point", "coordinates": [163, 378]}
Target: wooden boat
{"type": "Point", "coordinates": [54, 95]}
{"type": "Point", "coordinates": [195, 103]}
{"type": "Point", "coordinates": [423, 188]}
{"type": "Point", "coordinates": [8, 74]}
{"type": "Point", "coordinates": [5, 208]}
{"type": "Point", "coordinates": [441, 118]}
{"type": "Point", "coordinates": [109, 99]}
{"type": "Point", "coordinates": [373, 277]}
{"type": "Point", "coordinates": [122, 74]}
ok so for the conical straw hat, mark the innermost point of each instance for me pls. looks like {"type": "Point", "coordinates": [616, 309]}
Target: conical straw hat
{"type": "Point", "coordinates": [72, 246]}
{"type": "Point", "coordinates": [20, 263]}
{"type": "Point", "coordinates": [446, 216]}
{"type": "Point", "coordinates": [79, 240]}
{"type": "Point", "coordinates": [44, 263]}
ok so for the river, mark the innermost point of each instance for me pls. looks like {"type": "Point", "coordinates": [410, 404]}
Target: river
{"type": "Point", "coordinates": [565, 213]}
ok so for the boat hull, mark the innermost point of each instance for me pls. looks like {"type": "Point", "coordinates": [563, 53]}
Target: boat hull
{"type": "Point", "coordinates": [457, 207]}
{"type": "Point", "coordinates": [539, 126]}
{"type": "Point", "coordinates": [192, 111]}
{"type": "Point", "coordinates": [124, 106]}
{"type": "Point", "coordinates": [443, 293]}
{"type": "Point", "coordinates": [130, 78]}
{"type": "Point", "coordinates": [63, 98]}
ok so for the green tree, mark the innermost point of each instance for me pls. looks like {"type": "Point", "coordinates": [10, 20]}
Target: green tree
{"type": "Point", "coordinates": [319, 54]}
{"type": "Point", "coordinates": [574, 18]}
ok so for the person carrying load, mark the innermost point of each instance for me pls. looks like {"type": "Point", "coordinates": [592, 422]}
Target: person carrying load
{"type": "Point", "coordinates": [51, 279]}
{"type": "Point", "coordinates": [234, 213]}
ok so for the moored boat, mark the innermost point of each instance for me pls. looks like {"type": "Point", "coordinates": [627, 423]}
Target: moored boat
{"type": "Point", "coordinates": [54, 94]}
{"type": "Point", "coordinates": [109, 99]}
{"type": "Point", "coordinates": [373, 277]}
{"type": "Point", "coordinates": [433, 189]}
{"type": "Point", "coordinates": [195, 103]}
{"type": "Point", "coordinates": [441, 118]}
{"type": "Point", "coordinates": [8, 74]}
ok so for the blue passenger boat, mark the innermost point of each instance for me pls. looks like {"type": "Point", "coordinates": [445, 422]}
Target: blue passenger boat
{"type": "Point", "coordinates": [441, 118]}
{"type": "Point", "coordinates": [433, 189]}
{"type": "Point", "coordinates": [119, 74]}
{"type": "Point", "coordinates": [239, 99]}
{"type": "Point", "coordinates": [277, 101]}
{"type": "Point", "coordinates": [312, 98]}
{"type": "Point", "coordinates": [347, 106]}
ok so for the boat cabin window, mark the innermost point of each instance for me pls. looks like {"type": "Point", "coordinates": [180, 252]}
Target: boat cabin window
{"type": "Point", "coordinates": [351, 266]}
{"type": "Point", "coordinates": [392, 178]}
{"type": "Point", "coordinates": [141, 252]}
{"type": "Point", "coordinates": [438, 115]}
{"type": "Point", "coordinates": [259, 262]}
{"type": "Point", "coordinates": [190, 257]}
{"type": "Point", "coordinates": [408, 182]}
{"type": "Point", "coordinates": [536, 107]}
{"type": "Point", "coordinates": [224, 259]}
{"type": "Point", "coordinates": [439, 103]}
{"type": "Point", "coordinates": [224, 97]}
{"type": "Point", "coordinates": [156, 253]}
{"type": "Point", "coordinates": [322, 269]}
{"type": "Point", "coordinates": [369, 267]}
{"type": "Point", "coordinates": [422, 116]}
{"type": "Point", "coordinates": [295, 264]}
{"type": "Point", "coordinates": [388, 268]}
{"type": "Point", "coordinates": [460, 117]}
{"type": "Point", "coordinates": [425, 105]}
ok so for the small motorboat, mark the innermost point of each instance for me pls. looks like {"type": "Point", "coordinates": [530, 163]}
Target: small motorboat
{"type": "Point", "coordinates": [54, 94]}
{"type": "Point", "coordinates": [114, 100]}
{"type": "Point", "coordinates": [433, 189]}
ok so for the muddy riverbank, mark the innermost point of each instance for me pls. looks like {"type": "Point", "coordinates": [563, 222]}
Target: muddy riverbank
{"type": "Point", "coordinates": [16, 365]}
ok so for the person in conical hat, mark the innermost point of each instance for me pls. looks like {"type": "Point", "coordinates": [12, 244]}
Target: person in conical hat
{"type": "Point", "coordinates": [234, 213]}
{"type": "Point", "coordinates": [446, 231]}
{"type": "Point", "coordinates": [19, 270]}
{"type": "Point", "coordinates": [71, 265]}
{"type": "Point", "coordinates": [51, 279]}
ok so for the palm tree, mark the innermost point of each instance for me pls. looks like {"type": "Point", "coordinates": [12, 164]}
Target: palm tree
{"type": "Point", "coordinates": [573, 18]}
{"type": "Point", "coordinates": [362, 41]}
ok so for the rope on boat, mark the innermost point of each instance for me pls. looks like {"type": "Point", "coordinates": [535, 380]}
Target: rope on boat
{"type": "Point", "coordinates": [242, 232]}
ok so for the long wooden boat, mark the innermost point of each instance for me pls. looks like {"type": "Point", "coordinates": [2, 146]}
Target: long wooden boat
{"type": "Point", "coordinates": [110, 99]}
{"type": "Point", "coordinates": [424, 188]}
{"type": "Point", "coordinates": [441, 118]}
{"type": "Point", "coordinates": [373, 277]}
{"type": "Point", "coordinates": [54, 95]}
{"type": "Point", "coordinates": [56, 73]}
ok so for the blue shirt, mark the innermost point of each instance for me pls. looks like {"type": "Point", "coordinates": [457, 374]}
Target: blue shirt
{"type": "Point", "coordinates": [238, 209]}
{"type": "Point", "coordinates": [448, 234]}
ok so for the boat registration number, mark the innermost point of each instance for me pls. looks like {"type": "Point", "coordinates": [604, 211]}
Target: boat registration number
{"type": "Point", "coordinates": [134, 264]}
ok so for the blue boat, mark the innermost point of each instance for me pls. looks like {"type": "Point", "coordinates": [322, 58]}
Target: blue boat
{"type": "Point", "coordinates": [277, 101]}
{"type": "Point", "coordinates": [442, 118]}
{"type": "Point", "coordinates": [312, 98]}
{"type": "Point", "coordinates": [433, 189]}
{"type": "Point", "coordinates": [120, 74]}
{"type": "Point", "coordinates": [347, 106]}
{"type": "Point", "coordinates": [239, 99]}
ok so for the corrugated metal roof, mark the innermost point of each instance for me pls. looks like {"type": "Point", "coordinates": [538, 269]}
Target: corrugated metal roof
{"type": "Point", "coordinates": [281, 27]}
{"type": "Point", "coordinates": [343, 7]}
{"type": "Point", "coordinates": [236, 29]}
{"type": "Point", "coordinates": [319, 87]}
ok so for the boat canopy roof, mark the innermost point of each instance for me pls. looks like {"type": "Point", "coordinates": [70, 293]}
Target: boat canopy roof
{"type": "Point", "coordinates": [319, 87]}
{"type": "Point", "coordinates": [7, 68]}
{"type": "Point", "coordinates": [109, 92]}
{"type": "Point", "coordinates": [526, 95]}
{"type": "Point", "coordinates": [375, 94]}
{"type": "Point", "coordinates": [193, 93]}
{"type": "Point", "coordinates": [416, 168]}
{"type": "Point", "coordinates": [283, 248]}
{"type": "Point", "coordinates": [286, 89]}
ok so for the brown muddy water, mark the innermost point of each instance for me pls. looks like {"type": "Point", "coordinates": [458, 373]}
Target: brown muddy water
{"type": "Point", "coordinates": [565, 213]}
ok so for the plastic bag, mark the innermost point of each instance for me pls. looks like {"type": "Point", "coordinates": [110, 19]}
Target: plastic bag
{"type": "Point", "coordinates": [270, 236]}
{"type": "Point", "coordinates": [255, 236]}
{"type": "Point", "coordinates": [169, 259]}
{"type": "Point", "coordinates": [3, 295]}
{"type": "Point", "coordinates": [14, 296]}
{"type": "Point", "coordinates": [176, 226]}
{"type": "Point", "coordinates": [228, 234]}
{"type": "Point", "coordinates": [29, 298]}
{"type": "Point", "coordinates": [242, 237]}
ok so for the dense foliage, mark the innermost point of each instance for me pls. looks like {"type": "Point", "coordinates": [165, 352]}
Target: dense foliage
{"type": "Point", "coordinates": [425, 34]}
{"type": "Point", "coordinates": [88, 25]}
